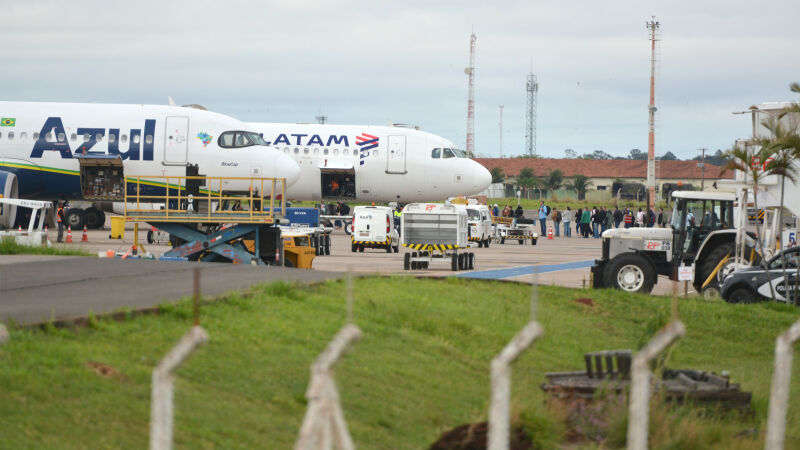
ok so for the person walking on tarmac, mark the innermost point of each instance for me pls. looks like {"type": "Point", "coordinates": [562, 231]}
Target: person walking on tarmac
{"type": "Point", "coordinates": [543, 210]}
{"type": "Point", "coordinates": [61, 218]}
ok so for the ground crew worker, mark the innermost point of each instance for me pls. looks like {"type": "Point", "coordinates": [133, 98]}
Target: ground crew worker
{"type": "Point", "coordinates": [334, 187]}
{"type": "Point", "coordinates": [61, 220]}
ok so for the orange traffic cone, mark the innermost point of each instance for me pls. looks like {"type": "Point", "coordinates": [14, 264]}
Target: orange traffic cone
{"type": "Point", "coordinates": [69, 235]}
{"type": "Point", "coordinates": [550, 232]}
{"type": "Point", "coordinates": [109, 253]}
{"type": "Point", "coordinates": [84, 238]}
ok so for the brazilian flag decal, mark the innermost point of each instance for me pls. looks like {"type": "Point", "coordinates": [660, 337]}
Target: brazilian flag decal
{"type": "Point", "coordinates": [8, 121]}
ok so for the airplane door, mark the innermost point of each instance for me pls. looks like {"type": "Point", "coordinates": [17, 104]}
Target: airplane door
{"type": "Point", "coordinates": [175, 140]}
{"type": "Point", "coordinates": [396, 155]}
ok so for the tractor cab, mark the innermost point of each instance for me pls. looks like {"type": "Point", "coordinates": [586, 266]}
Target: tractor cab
{"type": "Point", "coordinates": [695, 216]}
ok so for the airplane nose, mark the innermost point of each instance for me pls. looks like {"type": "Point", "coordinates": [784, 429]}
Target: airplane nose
{"type": "Point", "coordinates": [481, 178]}
{"type": "Point", "coordinates": [288, 168]}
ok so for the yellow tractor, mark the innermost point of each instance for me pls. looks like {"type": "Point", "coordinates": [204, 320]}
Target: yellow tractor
{"type": "Point", "coordinates": [298, 250]}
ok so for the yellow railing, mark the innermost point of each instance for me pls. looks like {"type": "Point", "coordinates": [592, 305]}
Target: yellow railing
{"type": "Point", "coordinates": [216, 203]}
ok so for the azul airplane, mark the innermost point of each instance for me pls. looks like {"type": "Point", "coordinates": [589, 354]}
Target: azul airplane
{"type": "Point", "coordinates": [44, 148]}
{"type": "Point", "coordinates": [374, 163]}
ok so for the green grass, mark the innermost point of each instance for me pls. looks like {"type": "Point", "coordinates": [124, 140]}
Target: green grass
{"type": "Point", "coordinates": [11, 247]}
{"type": "Point", "coordinates": [421, 368]}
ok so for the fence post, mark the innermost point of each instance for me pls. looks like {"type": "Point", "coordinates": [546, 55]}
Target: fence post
{"type": "Point", "coordinates": [161, 404]}
{"type": "Point", "coordinates": [324, 425]}
{"type": "Point", "coordinates": [639, 403]}
{"type": "Point", "coordinates": [4, 336]}
{"type": "Point", "coordinates": [501, 384]}
{"type": "Point", "coordinates": [779, 392]}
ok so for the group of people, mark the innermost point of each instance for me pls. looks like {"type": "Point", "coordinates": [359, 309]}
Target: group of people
{"type": "Point", "coordinates": [590, 222]}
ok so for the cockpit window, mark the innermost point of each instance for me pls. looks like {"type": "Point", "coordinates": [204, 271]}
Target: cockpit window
{"type": "Point", "coordinates": [459, 153]}
{"type": "Point", "coordinates": [436, 153]}
{"type": "Point", "coordinates": [239, 139]}
{"type": "Point", "coordinates": [448, 153]}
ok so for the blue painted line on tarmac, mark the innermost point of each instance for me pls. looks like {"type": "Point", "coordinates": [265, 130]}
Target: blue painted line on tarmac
{"type": "Point", "coordinates": [497, 274]}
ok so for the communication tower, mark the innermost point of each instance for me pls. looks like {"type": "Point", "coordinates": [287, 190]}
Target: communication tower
{"type": "Point", "coordinates": [653, 26]}
{"type": "Point", "coordinates": [501, 131]}
{"type": "Point", "coordinates": [470, 71]}
{"type": "Point", "coordinates": [532, 87]}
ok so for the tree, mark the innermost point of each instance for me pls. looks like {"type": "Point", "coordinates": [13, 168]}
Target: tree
{"type": "Point", "coordinates": [498, 176]}
{"type": "Point", "coordinates": [597, 154]}
{"type": "Point", "coordinates": [526, 178]}
{"type": "Point", "coordinates": [570, 153]}
{"type": "Point", "coordinates": [580, 184]}
{"type": "Point", "coordinates": [669, 156]}
{"type": "Point", "coordinates": [637, 154]}
{"type": "Point", "coordinates": [553, 181]}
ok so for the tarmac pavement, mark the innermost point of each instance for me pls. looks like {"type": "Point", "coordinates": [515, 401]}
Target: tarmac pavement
{"type": "Point", "coordinates": [36, 288]}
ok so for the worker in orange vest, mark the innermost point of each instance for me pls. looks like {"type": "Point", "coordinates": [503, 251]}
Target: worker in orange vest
{"type": "Point", "coordinates": [61, 220]}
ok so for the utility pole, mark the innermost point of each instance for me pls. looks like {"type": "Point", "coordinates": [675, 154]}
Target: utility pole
{"type": "Point", "coordinates": [470, 71]}
{"type": "Point", "coordinates": [501, 131]}
{"type": "Point", "coordinates": [702, 166]}
{"type": "Point", "coordinates": [651, 138]}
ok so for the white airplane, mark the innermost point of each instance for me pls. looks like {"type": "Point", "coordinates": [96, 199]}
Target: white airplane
{"type": "Point", "coordinates": [44, 148]}
{"type": "Point", "coordinates": [374, 163]}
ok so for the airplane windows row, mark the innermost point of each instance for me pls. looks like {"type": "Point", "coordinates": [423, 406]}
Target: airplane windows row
{"type": "Point", "coordinates": [325, 151]}
{"type": "Point", "coordinates": [61, 137]}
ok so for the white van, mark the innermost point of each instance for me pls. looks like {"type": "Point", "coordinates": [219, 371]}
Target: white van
{"type": "Point", "coordinates": [479, 220]}
{"type": "Point", "coordinates": [373, 227]}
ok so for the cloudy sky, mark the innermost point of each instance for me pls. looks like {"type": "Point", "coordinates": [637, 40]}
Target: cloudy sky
{"type": "Point", "coordinates": [377, 62]}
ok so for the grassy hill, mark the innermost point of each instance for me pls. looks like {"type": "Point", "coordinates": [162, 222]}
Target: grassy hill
{"type": "Point", "coordinates": [421, 368]}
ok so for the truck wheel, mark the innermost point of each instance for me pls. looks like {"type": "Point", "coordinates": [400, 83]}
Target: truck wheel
{"type": "Point", "coordinates": [348, 228]}
{"type": "Point", "coordinates": [521, 241]}
{"type": "Point", "coordinates": [710, 263]}
{"type": "Point", "coordinates": [397, 249]}
{"type": "Point", "coordinates": [454, 263]}
{"type": "Point", "coordinates": [389, 248]}
{"type": "Point", "coordinates": [150, 237]}
{"type": "Point", "coordinates": [631, 273]}
{"type": "Point", "coordinates": [327, 245]}
{"type": "Point", "coordinates": [353, 248]}
{"type": "Point", "coordinates": [534, 241]}
{"type": "Point", "coordinates": [471, 260]}
{"type": "Point", "coordinates": [502, 240]}
{"type": "Point", "coordinates": [742, 295]}
{"type": "Point", "coordinates": [361, 248]}
{"type": "Point", "coordinates": [486, 243]}
{"type": "Point", "coordinates": [407, 261]}
{"type": "Point", "coordinates": [414, 265]}
{"type": "Point", "coordinates": [462, 261]}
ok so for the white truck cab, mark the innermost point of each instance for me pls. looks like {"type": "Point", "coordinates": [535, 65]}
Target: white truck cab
{"type": "Point", "coordinates": [479, 220]}
{"type": "Point", "coordinates": [373, 227]}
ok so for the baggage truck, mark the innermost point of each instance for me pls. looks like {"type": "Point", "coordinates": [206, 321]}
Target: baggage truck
{"type": "Point", "coordinates": [435, 231]}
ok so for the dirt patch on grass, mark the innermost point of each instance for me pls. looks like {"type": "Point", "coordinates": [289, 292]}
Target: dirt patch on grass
{"type": "Point", "coordinates": [105, 371]}
{"type": "Point", "coordinates": [585, 301]}
{"type": "Point", "coordinates": [473, 436]}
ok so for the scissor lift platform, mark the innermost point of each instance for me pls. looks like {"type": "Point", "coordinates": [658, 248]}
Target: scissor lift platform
{"type": "Point", "coordinates": [209, 224]}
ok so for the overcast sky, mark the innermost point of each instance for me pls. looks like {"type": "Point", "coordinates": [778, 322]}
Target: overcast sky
{"type": "Point", "coordinates": [376, 62]}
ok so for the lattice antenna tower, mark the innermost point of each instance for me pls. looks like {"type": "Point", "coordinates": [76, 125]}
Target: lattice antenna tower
{"type": "Point", "coordinates": [470, 71]}
{"type": "Point", "coordinates": [653, 27]}
{"type": "Point", "coordinates": [532, 87]}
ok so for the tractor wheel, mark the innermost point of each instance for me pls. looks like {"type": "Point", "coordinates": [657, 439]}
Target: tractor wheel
{"type": "Point", "coordinates": [711, 261]}
{"type": "Point", "coordinates": [742, 295]}
{"type": "Point", "coordinates": [407, 261]}
{"type": "Point", "coordinates": [631, 273]}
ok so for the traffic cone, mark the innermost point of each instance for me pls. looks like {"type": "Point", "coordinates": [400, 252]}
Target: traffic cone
{"type": "Point", "coordinates": [109, 253]}
{"type": "Point", "coordinates": [84, 238]}
{"type": "Point", "coordinates": [19, 228]}
{"type": "Point", "coordinates": [69, 235]}
{"type": "Point", "coordinates": [550, 232]}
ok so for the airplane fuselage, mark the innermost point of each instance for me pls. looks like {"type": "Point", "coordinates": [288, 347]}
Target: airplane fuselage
{"type": "Point", "coordinates": [374, 163]}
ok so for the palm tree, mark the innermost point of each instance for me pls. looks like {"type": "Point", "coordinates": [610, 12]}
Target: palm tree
{"type": "Point", "coordinates": [498, 176]}
{"type": "Point", "coordinates": [553, 181]}
{"type": "Point", "coordinates": [526, 178]}
{"type": "Point", "coordinates": [757, 161]}
{"type": "Point", "coordinates": [786, 146]}
{"type": "Point", "coordinates": [580, 184]}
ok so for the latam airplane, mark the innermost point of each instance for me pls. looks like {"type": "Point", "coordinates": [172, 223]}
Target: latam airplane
{"type": "Point", "coordinates": [44, 147]}
{"type": "Point", "coordinates": [374, 163]}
